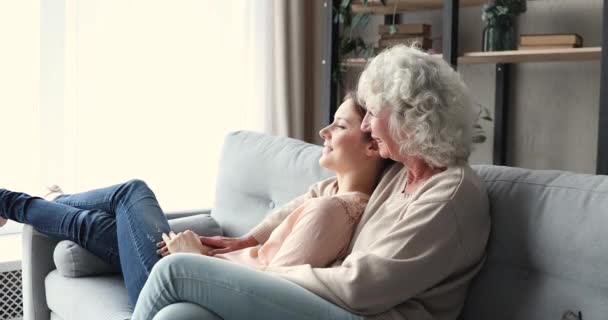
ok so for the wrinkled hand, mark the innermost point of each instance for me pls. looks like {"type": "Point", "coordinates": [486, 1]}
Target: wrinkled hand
{"type": "Point", "coordinates": [225, 244]}
{"type": "Point", "coordinates": [185, 242]}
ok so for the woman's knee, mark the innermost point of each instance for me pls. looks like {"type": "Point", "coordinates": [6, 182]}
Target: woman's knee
{"type": "Point", "coordinates": [175, 265]}
{"type": "Point", "coordinates": [185, 311]}
{"type": "Point", "coordinates": [135, 188]}
{"type": "Point", "coordinates": [136, 184]}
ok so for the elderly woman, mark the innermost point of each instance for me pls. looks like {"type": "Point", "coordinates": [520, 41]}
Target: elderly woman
{"type": "Point", "coordinates": [421, 238]}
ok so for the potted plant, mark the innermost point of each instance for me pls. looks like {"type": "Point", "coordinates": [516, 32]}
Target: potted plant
{"type": "Point", "coordinates": [499, 32]}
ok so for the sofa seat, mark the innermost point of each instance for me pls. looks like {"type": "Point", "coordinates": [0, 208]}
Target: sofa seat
{"type": "Point", "coordinates": [90, 298]}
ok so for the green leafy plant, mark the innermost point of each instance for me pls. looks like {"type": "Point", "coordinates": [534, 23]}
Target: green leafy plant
{"type": "Point", "coordinates": [350, 44]}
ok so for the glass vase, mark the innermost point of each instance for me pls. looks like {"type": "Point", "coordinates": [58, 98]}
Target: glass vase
{"type": "Point", "coordinates": [499, 34]}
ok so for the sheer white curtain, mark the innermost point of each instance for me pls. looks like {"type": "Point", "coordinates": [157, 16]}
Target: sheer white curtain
{"type": "Point", "coordinates": [19, 108]}
{"type": "Point", "coordinates": [152, 88]}
{"type": "Point", "coordinates": [110, 90]}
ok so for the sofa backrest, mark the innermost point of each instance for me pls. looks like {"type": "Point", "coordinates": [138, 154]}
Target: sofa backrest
{"type": "Point", "coordinates": [548, 249]}
{"type": "Point", "coordinates": [258, 173]}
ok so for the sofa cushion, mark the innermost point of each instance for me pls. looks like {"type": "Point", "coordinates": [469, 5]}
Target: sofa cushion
{"type": "Point", "coordinates": [91, 298]}
{"type": "Point", "coordinates": [548, 247]}
{"type": "Point", "coordinates": [72, 260]}
{"type": "Point", "coordinates": [258, 173]}
{"type": "Point", "coordinates": [202, 224]}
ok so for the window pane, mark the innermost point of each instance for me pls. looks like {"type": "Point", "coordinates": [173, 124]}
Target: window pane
{"type": "Point", "coordinates": [19, 104]}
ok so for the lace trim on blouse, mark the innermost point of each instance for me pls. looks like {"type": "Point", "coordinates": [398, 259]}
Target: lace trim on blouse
{"type": "Point", "coordinates": [353, 205]}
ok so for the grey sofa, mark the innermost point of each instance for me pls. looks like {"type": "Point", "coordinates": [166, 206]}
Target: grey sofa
{"type": "Point", "coordinates": [548, 250]}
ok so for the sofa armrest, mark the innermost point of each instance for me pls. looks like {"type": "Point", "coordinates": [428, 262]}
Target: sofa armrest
{"type": "Point", "coordinates": [201, 224]}
{"type": "Point", "coordinates": [186, 213]}
{"type": "Point", "coordinates": [37, 262]}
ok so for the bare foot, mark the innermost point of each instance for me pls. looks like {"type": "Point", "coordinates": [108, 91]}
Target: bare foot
{"type": "Point", "coordinates": [54, 191]}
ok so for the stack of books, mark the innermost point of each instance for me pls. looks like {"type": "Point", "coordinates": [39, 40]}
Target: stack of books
{"type": "Point", "coordinates": [550, 41]}
{"type": "Point", "coordinates": [408, 34]}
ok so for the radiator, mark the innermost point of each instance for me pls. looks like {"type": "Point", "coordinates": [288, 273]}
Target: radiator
{"type": "Point", "coordinates": [11, 294]}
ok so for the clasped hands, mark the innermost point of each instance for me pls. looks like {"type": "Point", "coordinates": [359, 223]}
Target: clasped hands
{"type": "Point", "coordinates": [190, 242]}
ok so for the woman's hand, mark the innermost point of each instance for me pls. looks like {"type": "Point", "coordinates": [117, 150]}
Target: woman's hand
{"type": "Point", "coordinates": [225, 245]}
{"type": "Point", "coordinates": [185, 242]}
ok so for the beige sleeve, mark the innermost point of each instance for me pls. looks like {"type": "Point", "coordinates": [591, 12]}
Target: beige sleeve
{"type": "Point", "coordinates": [320, 234]}
{"type": "Point", "coordinates": [414, 254]}
{"type": "Point", "coordinates": [262, 231]}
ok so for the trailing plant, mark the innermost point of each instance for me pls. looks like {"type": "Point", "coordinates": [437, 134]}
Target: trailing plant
{"type": "Point", "coordinates": [351, 45]}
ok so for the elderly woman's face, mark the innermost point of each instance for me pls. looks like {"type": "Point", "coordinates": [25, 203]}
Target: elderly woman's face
{"type": "Point", "coordinates": [377, 124]}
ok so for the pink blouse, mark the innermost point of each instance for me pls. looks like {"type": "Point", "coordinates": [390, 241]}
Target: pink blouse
{"type": "Point", "coordinates": [317, 232]}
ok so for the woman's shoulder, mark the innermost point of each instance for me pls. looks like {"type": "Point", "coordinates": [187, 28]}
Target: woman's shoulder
{"type": "Point", "coordinates": [448, 184]}
{"type": "Point", "coordinates": [338, 199]}
{"type": "Point", "coordinates": [351, 203]}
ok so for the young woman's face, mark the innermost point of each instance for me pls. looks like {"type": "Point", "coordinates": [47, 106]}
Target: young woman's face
{"type": "Point", "coordinates": [346, 147]}
{"type": "Point", "coordinates": [377, 124]}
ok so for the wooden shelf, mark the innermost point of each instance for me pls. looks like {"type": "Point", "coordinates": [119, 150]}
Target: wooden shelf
{"type": "Point", "coordinates": [354, 62]}
{"type": "Point", "coordinates": [376, 7]}
{"type": "Point", "coordinates": [515, 56]}
{"type": "Point", "coordinates": [540, 55]}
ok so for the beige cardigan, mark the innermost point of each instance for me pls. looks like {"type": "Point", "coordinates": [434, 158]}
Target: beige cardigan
{"type": "Point", "coordinates": [412, 256]}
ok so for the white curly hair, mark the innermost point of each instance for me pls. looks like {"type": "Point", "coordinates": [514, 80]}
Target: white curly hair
{"type": "Point", "coordinates": [431, 114]}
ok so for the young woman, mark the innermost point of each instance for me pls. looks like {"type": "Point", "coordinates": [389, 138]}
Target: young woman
{"type": "Point", "coordinates": [123, 223]}
{"type": "Point", "coordinates": [316, 227]}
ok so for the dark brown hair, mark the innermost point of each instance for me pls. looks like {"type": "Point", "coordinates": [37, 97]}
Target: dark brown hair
{"type": "Point", "coordinates": [353, 96]}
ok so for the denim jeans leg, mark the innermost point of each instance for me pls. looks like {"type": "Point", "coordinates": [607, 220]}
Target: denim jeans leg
{"type": "Point", "coordinates": [94, 229]}
{"type": "Point", "coordinates": [140, 222]}
{"type": "Point", "coordinates": [105, 199]}
{"type": "Point", "coordinates": [120, 223]}
{"type": "Point", "coordinates": [231, 291]}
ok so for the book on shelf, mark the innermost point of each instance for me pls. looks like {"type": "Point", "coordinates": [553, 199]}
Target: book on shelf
{"type": "Point", "coordinates": [418, 29]}
{"type": "Point", "coordinates": [424, 43]}
{"type": "Point", "coordinates": [546, 47]}
{"type": "Point", "coordinates": [551, 40]}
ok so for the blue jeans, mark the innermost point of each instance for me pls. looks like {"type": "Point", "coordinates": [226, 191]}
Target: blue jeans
{"type": "Point", "coordinates": [120, 224]}
{"type": "Point", "coordinates": [187, 286]}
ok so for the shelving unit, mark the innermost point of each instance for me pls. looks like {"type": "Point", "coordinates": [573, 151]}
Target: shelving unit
{"type": "Point", "coordinates": [376, 7]}
{"type": "Point", "coordinates": [521, 56]}
{"type": "Point", "coordinates": [515, 56]}
{"type": "Point", "coordinates": [502, 61]}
